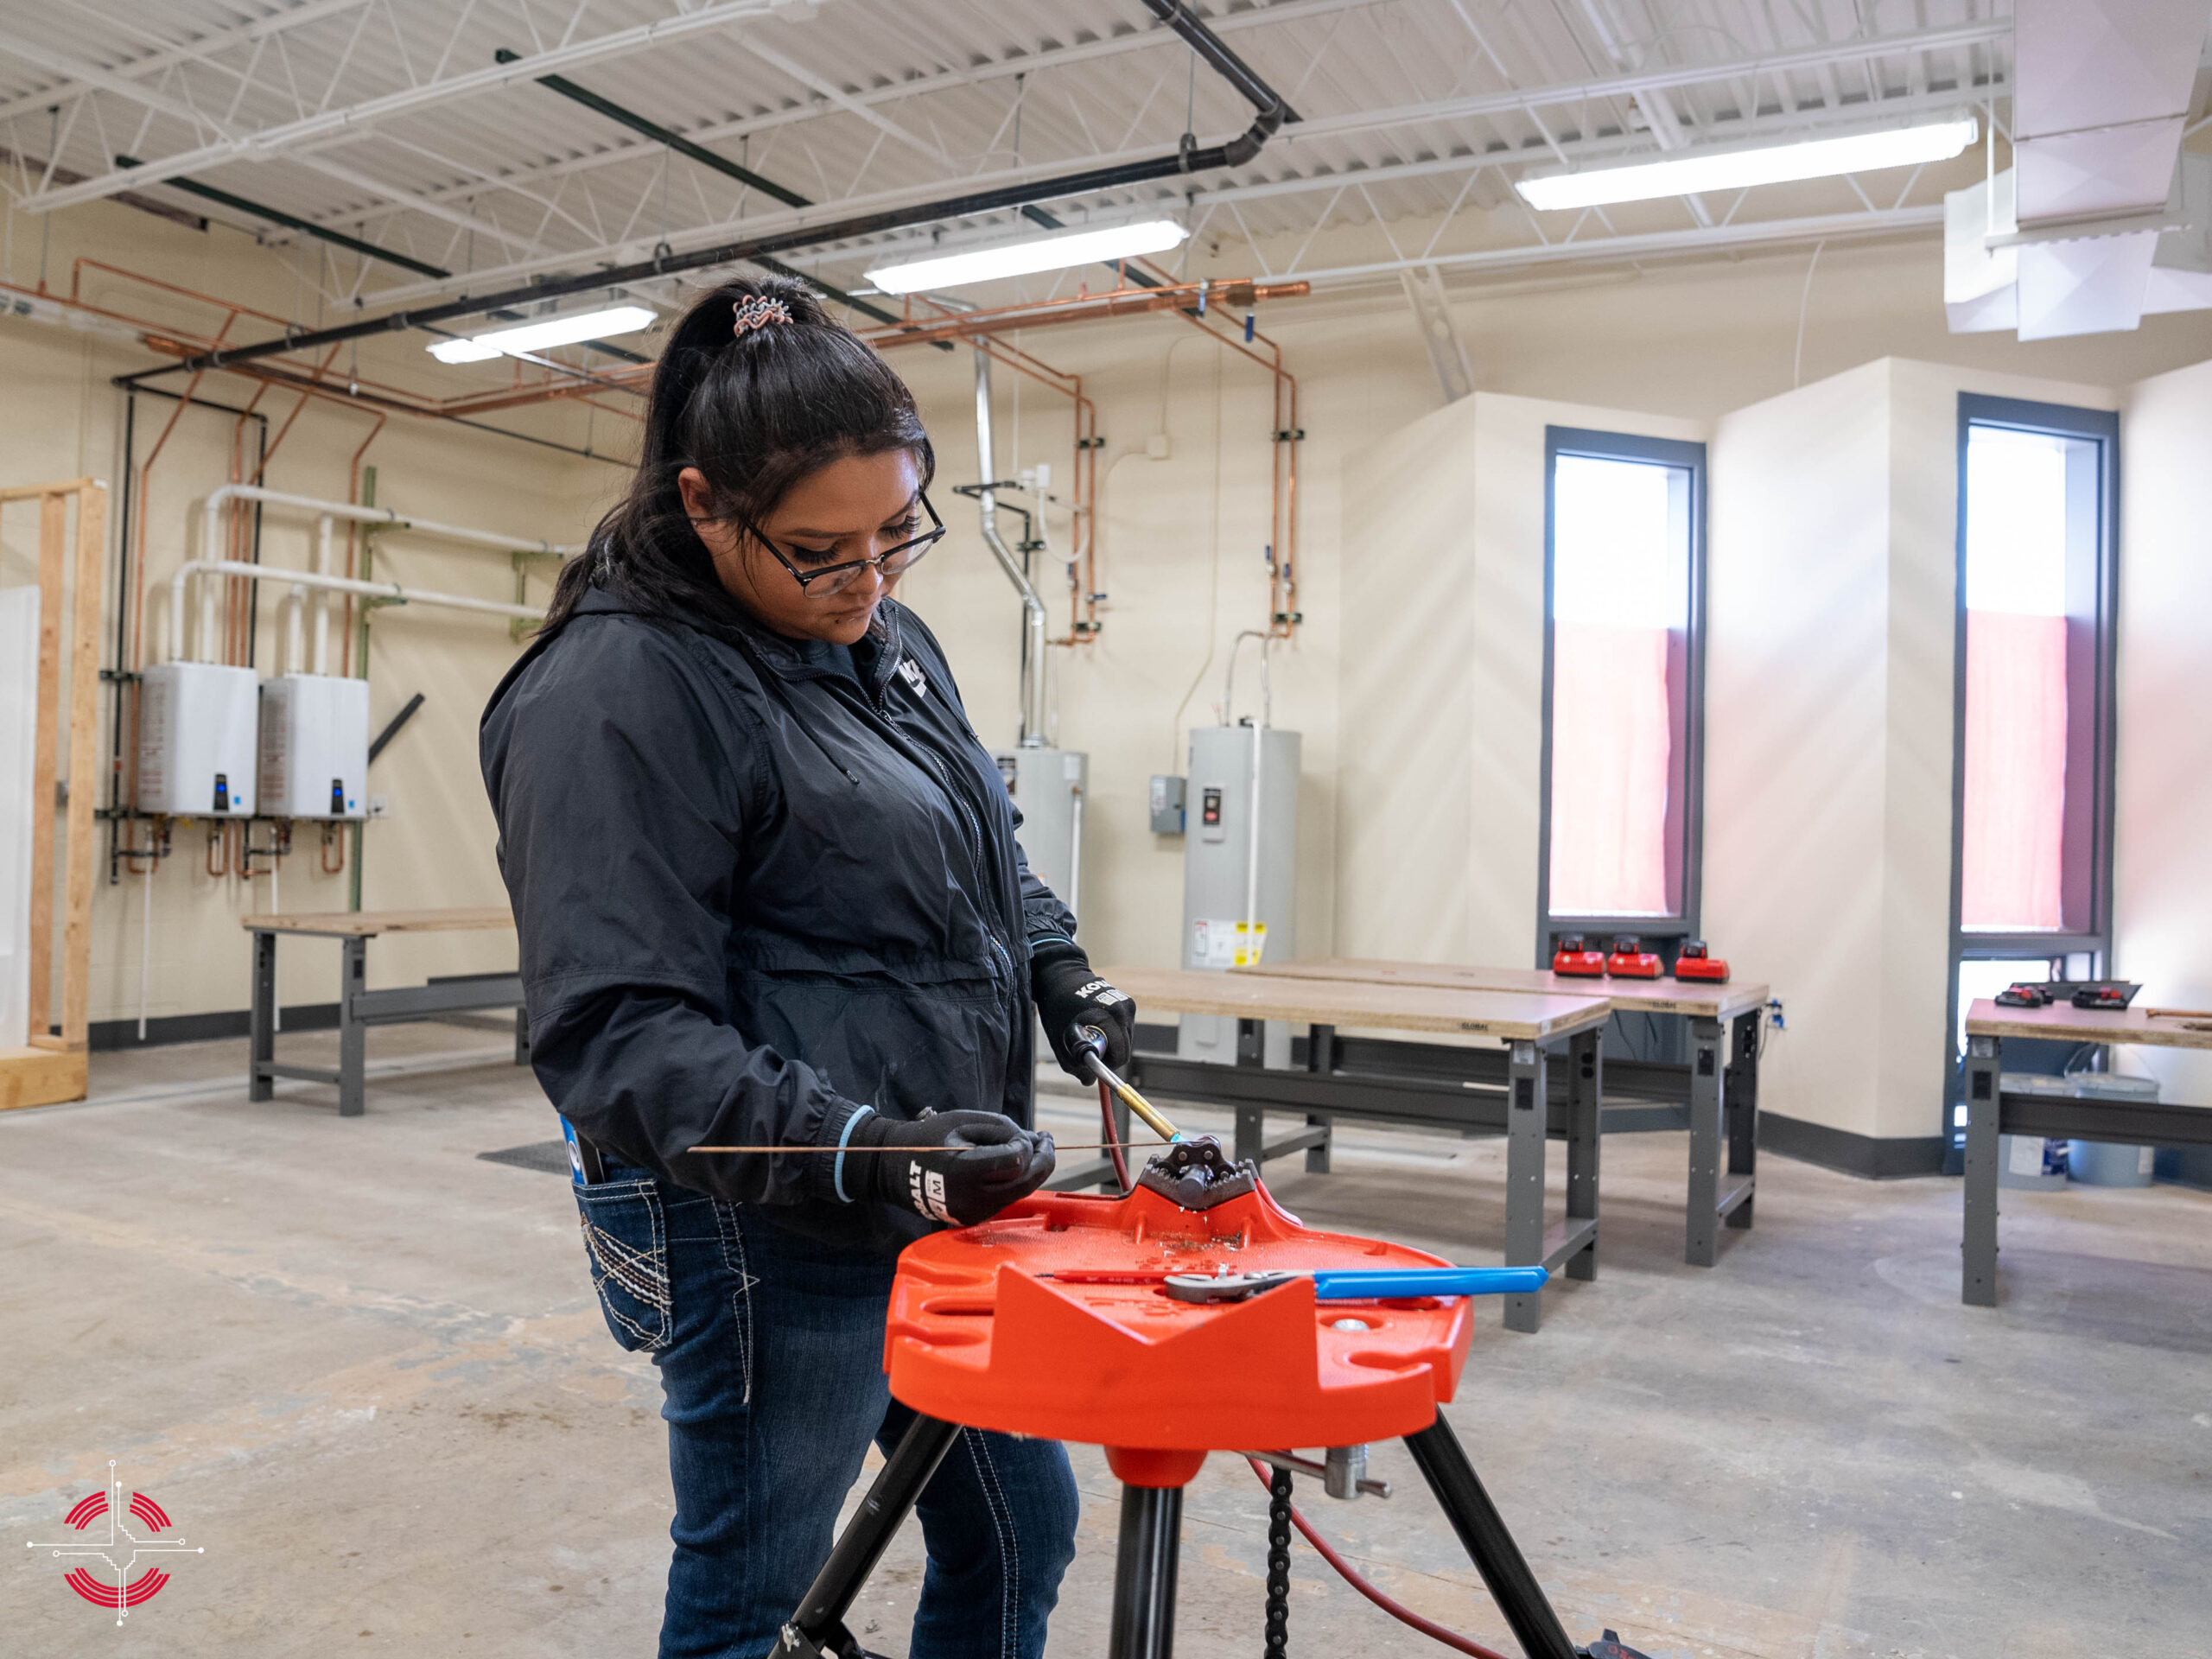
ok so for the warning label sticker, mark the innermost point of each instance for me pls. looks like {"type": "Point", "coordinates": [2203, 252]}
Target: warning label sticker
{"type": "Point", "coordinates": [1217, 943]}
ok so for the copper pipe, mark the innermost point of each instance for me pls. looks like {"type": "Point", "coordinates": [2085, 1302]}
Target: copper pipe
{"type": "Point", "coordinates": [1282, 571]}
{"type": "Point", "coordinates": [353, 533]}
{"type": "Point", "coordinates": [1083, 307]}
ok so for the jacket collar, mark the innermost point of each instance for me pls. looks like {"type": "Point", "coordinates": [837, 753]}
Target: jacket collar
{"type": "Point", "coordinates": [787, 658]}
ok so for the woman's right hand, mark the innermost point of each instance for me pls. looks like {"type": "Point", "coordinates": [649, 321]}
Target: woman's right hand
{"type": "Point", "coordinates": [961, 1167]}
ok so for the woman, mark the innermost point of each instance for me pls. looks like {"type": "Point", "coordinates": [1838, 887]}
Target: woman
{"type": "Point", "coordinates": [769, 894]}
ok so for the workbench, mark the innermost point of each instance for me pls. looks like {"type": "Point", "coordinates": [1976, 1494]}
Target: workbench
{"type": "Point", "coordinates": [1992, 1112]}
{"type": "Point", "coordinates": [1714, 1095]}
{"type": "Point", "coordinates": [360, 1007]}
{"type": "Point", "coordinates": [1533, 1026]}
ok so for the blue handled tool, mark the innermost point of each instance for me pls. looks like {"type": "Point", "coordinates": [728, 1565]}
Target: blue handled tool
{"type": "Point", "coordinates": [1358, 1284]}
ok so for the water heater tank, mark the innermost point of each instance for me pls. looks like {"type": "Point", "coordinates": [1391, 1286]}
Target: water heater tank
{"type": "Point", "coordinates": [196, 740]}
{"type": "Point", "coordinates": [315, 747]}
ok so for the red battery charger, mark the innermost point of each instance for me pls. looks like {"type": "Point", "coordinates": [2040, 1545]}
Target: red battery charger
{"type": "Point", "coordinates": [1631, 960]}
{"type": "Point", "coordinates": [1573, 958]}
{"type": "Point", "coordinates": [1693, 962]}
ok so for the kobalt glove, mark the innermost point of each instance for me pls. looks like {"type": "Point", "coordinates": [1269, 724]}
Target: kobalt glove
{"type": "Point", "coordinates": [961, 1167]}
{"type": "Point", "coordinates": [1069, 996]}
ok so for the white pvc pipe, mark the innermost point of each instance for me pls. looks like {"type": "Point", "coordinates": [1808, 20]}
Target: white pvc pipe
{"type": "Point", "coordinates": [322, 562]}
{"type": "Point", "coordinates": [210, 533]}
{"type": "Point", "coordinates": [391, 590]}
{"type": "Point", "coordinates": [294, 604]}
{"type": "Point", "coordinates": [224, 494]}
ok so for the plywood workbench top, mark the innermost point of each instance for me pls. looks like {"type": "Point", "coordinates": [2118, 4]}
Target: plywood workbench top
{"type": "Point", "coordinates": [367, 923]}
{"type": "Point", "coordinates": [2062, 1022]}
{"type": "Point", "coordinates": [1247, 995]}
{"type": "Point", "coordinates": [1641, 996]}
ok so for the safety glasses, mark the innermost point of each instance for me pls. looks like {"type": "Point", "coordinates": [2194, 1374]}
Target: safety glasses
{"type": "Point", "coordinates": [824, 580]}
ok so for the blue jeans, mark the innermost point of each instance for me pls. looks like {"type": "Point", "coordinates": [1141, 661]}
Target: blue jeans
{"type": "Point", "coordinates": [770, 1355]}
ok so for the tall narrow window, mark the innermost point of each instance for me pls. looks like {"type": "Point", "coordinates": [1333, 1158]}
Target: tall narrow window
{"type": "Point", "coordinates": [2032, 863]}
{"type": "Point", "coordinates": [1620, 764]}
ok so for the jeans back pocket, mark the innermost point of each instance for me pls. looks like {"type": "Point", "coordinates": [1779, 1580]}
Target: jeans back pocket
{"type": "Point", "coordinates": [627, 1244]}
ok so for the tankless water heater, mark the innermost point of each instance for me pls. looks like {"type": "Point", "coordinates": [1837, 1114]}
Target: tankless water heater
{"type": "Point", "coordinates": [196, 740]}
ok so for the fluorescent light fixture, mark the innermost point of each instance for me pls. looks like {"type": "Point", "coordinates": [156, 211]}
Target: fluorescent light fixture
{"type": "Point", "coordinates": [1735, 169]}
{"type": "Point", "coordinates": [1054, 252]}
{"type": "Point", "coordinates": [537, 336]}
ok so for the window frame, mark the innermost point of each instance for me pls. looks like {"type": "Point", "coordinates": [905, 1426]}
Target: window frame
{"type": "Point", "coordinates": [2081, 952]}
{"type": "Point", "coordinates": [1687, 836]}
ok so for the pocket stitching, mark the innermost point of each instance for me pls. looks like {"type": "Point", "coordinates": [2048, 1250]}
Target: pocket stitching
{"type": "Point", "coordinates": [642, 1275]}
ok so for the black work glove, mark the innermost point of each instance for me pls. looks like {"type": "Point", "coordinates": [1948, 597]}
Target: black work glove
{"type": "Point", "coordinates": [1069, 994]}
{"type": "Point", "coordinates": [961, 1167]}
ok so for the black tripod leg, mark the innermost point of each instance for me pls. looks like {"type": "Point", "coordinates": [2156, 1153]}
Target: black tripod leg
{"type": "Point", "coordinates": [1144, 1574]}
{"type": "Point", "coordinates": [818, 1625]}
{"type": "Point", "coordinates": [1443, 1465]}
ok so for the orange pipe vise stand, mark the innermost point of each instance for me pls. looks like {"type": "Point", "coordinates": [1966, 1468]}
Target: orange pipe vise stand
{"type": "Point", "coordinates": [1193, 1315]}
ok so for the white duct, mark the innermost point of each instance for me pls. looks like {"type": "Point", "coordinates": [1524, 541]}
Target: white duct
{"type": "Point", "coordinates": [1033, 637]}
{"type": "Point", "coordinates": [2094, 225]}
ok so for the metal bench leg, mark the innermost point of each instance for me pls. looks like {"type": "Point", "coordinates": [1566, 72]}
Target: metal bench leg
{"type": "Point", "coordinates": [1707, 1096]}
{"type": "Point", "coordinates": [1320, 1057]}
{"type": "Point", "coordinates": [259, 1086]}
{"type": "Point", "coordinates": [1251, 1132]}
{"type": "Point", "coordinates": [1985, 1062]}
{"type": "Point", "coordinates": [1744, 1111]}
{"type": "Point", "coordinates": [1524, 1177]}
{"type": "Point", "coordinates": [353, 1050]}
{"type": "Point", "coordinates": [1586, 1087]}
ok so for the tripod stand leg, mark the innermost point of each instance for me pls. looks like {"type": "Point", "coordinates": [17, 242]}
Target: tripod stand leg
{"type": "Point", "coordinates": [817, 1628]}
{"type": "Point", "coordinates": [1144, 1574]}
{"type": "Point", "coordinates": [1443, 1465]}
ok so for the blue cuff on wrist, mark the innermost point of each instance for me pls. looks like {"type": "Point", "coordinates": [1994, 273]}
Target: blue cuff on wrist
{"type": "Point", "coordinates": [837, 1169]}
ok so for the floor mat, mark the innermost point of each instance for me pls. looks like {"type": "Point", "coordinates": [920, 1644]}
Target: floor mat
{"type": "Point", "coordinates": [551, 1156]}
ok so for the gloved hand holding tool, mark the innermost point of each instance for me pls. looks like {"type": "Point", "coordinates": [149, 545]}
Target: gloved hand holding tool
{"type": "Point", "coordinates": [961, 1167]}
{"type": "Point", "coordinates": [1070, 995]}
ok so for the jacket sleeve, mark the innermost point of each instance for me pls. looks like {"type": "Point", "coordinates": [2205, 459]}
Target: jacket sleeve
{"type": "Point", "coordinates": [1044, 918]}
{"type": "Point", "coordinates": [621, 798]}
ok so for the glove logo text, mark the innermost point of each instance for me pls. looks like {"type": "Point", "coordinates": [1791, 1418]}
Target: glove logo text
{"type": "Point", "coordinates": [926, 1188]}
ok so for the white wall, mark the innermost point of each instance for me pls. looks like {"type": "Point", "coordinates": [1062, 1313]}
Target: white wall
{"type": "Point", "coordinates": [1829, 715]}
{"type": "Point", "coordinates": [2163, 855]}
{"type": "Point", "coordinates": [1441, 686]}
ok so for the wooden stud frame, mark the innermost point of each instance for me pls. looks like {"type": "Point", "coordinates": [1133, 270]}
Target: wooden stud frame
{"type": "Point", "coordinates": [53, 1067]}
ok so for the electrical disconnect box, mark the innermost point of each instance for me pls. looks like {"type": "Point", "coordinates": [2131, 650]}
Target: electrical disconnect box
{"type": "Point", "coordinates": [196, 740]}
{"type": "Point", "coordinates": [1048, 787]}
{"type": "Point", "coordinates": [1166, 804]}
{"type": "Point", "coordinates": [1240, 864]}
{"type": "Point", "coordinates": [315, 747]}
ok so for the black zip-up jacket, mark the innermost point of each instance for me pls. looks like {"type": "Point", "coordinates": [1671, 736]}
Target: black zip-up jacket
{"type": "Point", "coordinates": [754, 894]}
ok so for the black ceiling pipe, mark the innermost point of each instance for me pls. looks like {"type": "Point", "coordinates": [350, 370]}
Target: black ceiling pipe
{"type": "Point", "coordinates": [659, 134]}
{"type": "Point", "coordinates": [1187, 159]}
{"type": "Point", "coordinates": [277, 216]}
{"type": "Point", "coordinates": [705, 158]}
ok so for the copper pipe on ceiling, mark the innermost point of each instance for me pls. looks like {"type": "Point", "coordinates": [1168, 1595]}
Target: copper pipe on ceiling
{"type": "Point", "coordinates": [1241, 291]}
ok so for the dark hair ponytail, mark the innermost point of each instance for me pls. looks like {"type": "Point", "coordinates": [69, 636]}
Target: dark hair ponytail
{"type": "Point", "coordinates": [755, 412]}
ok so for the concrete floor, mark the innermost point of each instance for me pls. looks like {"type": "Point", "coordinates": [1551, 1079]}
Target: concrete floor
{"type": "Point", "coordinates": [362, 1368]}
